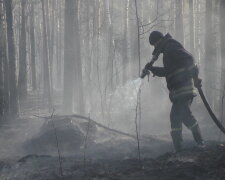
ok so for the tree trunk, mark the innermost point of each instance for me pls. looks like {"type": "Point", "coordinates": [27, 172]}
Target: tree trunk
{"type": "Point", "coordinates": [111, 47]}
{"type": "Point", "coordinates": [52, 41]}
{"type": "Point", "coordinates": [197, 33]}
{"type": "Point", "coordinates": [59, 45]}
{"type": "Point", "coordinates": [5, 69]}
{"type": "Point", "coordinates": [161, 17]}
{"type": "Point", "coordinates": [69, 55]}
{"type": "Point", "coordinates": [138, 38]}
{"type": "Point", "coordinates": [47, 89]}
{"type": "Point", "coordinates": [32, 48]}
{"type": "Point", "coordinates": [125, 52]}
{"type": "Point", "coordinates": [210, 52]}
{"type": "Point", "coordinates": [133, 45]}
{"type": "Point", "coordinates": [2, 57]}
{"type": "Point", "coordinates": [191, 26]}
{"type": "Point", "coordinates": [48, 38]}
{"type": "Point", "coordinates": [78, 64]}
{"type": "Point", "coordinates": [179, 31]}
{"type": "Point", "coordinates": [13, 100]}
{"type": "Point", "coordinates": [22, 80]}
{"type": "Point", "coordinates": [222, 43]}
{"type": "Point", "coordinates": [88, 62]}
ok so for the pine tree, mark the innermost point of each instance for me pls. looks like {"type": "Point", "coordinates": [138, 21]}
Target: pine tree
{"type": "Point", "coordinates": [13, 100]}
{"type": "Point", "coordinates": [47, 88]}
{"type": "Point", "coordinates": [22, 79]}
{"type": "Point", "coordinates": [179, 31]}
{"type": "Point", "coordinates": [69, 61]}
{"type": "Point", "coordinates": [32, 47]}
{"type": "Point", "coordinates": [210, 52]}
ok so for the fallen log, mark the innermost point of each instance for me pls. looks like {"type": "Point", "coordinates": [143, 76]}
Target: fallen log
{"type": "Point", "coordinates": [98, 124]}
{"type": "Point", "coordinates": [87, 119]}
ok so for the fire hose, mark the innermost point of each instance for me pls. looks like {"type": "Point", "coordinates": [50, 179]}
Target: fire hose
{"type": "Point", "coordinates": [209, 109]}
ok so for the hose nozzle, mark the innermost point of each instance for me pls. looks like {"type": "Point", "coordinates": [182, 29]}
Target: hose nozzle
{"type": "Point", "coordinates": [144, 73]}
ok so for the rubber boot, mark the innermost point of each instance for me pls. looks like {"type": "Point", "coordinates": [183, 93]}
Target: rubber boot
{"type": "Point", "coordinates": [177, 140]}
{"type": "Point", "coordinates": [197, 136]}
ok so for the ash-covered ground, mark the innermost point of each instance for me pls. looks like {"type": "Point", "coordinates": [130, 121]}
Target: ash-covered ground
{"type": "Point", "coordinates": [68, 147]}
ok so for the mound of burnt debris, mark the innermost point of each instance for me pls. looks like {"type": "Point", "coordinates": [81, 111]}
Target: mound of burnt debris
{"type": "Point", "coordinates": [64, 133]}
{"type": "Point", "coordinates": [192, 163]}
{"type": "Point", "coordinates": [72, 135]}
{"type": "Point", "coordinates": [76, 147]}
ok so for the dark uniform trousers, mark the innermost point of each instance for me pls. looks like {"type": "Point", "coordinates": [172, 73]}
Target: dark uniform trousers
{"type": "Point", "coordinates": [181, 113]}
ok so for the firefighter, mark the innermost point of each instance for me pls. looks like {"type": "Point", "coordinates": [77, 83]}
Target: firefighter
{"type": "Point", "coordinates": [181, 76]}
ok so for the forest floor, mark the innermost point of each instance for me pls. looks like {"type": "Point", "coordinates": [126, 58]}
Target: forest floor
{"type": "Point", "coordinates": [190, 164]}
{"type": "Point", "coordinates": [29, 152]}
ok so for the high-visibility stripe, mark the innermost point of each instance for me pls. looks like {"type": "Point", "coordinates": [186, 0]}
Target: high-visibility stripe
{"type": "Point", "coordinates": [185, 88]}
{"type": "Point", "coordinates": [194, 92]}
{"type": "Point", "coordinates": [183, 91]}
{"type": "Point", "coordinates": [195, 124]}
{"type": "Point", "coordinates": [179, 71]}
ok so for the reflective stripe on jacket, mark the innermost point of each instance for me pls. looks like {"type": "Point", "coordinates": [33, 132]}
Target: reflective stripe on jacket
{"type": "Point", "coordinates": [184, 91]}
{"type": "Point", "coordinates": [180, 71]}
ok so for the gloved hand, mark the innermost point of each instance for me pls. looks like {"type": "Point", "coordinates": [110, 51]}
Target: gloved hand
{"type": "Point", "coordinates": [197, 82]}
{"type": "Point", "coordinates": [148, 66]}
{"type": "Point", "coordinates": [144, 73]}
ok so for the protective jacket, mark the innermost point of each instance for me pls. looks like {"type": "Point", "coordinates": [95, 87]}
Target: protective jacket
{"type": "Point", "coordinates": [178, 68]}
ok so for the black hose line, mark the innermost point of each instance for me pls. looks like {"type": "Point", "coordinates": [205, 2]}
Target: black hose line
{"type": "Point", "coordinates": [209, 109]}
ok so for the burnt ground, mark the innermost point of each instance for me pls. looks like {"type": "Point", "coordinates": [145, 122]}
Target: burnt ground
{"type": "Point", "coordinates": [29, 152]}
{"type": "Point", "coordinates": [190, 164]}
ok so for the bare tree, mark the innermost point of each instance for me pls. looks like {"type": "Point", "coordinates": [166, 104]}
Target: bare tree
{"type": "Point", "coordinates": [87, 49]}
{"type": "Point", "coordinates": [179, 32]}
{"type": "Point", "coordinates": [210, 52]}
{"type": "Point", "coordinates": [32, 47]}
{"type": "Point", "coordinates": [5, 66]}
{"type": "Point", "coordinates": [2, 56]}
{"type": "Point", "coordinates": [125, 48]}
{"type": "Point", "coordinates": [22, 79]}
{"type": "Point", "coordinates": [110, 47]}
{"type": "Point", "coordinates": [191, 26]}
{"type": "Point", "coordinates": [78, 64]}
{"type": "Point", "coordinates": [69, 61]}
{"type": "Point", "coordinates": [222, 43]}
{"type": "Point", "coordinates": [134, 43]}
{"type": "Point", "coordinates": [13, 100]}
{"type": "Point", "coordinates": [52, 41]}
{"type": "Point", "coordinates": [59, 43]}
{"type": "Point", "coordinates": [197, 31]}
{"type": "Point", "coordinates": [47, 88]}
